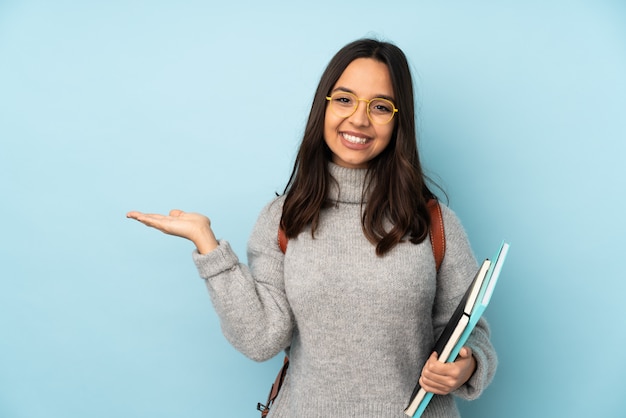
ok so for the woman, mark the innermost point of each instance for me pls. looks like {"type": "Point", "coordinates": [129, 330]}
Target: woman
{"type": "Point", "coordinates": [355, 299]}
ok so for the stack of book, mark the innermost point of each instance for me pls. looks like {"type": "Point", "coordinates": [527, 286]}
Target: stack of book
{"type": "Point", "coordinates": [462, 322]}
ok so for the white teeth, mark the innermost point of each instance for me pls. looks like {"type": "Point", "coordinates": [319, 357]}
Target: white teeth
{"type": "Point", "coordinates": [354, 139]}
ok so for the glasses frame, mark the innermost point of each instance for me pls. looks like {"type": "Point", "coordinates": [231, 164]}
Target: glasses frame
{"type": "Point", "coordinates": [368, 101]}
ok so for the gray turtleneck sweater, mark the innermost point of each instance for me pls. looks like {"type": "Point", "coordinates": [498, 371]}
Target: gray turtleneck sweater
{"type": "Point", "coordinates": [359, 327]}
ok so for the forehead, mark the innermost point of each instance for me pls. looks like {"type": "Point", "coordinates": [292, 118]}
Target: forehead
{"type": "Point", "coordinates": [366, 77]}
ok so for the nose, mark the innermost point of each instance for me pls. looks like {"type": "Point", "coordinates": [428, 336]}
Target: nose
{"type": "Point", "coordinates": [360, 116]}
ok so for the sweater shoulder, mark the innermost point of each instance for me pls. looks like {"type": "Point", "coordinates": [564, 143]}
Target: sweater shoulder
{"type": "Point", "coordinates": [272, 211]}
{"type": "Point", "coordinates": [452, 224]}
{"type": "Point", "coordinates": [265, 232]}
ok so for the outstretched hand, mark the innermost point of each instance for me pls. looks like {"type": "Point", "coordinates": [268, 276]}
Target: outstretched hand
{"type": "Point", "coordinates": [443, 378]}
{"type": "Point", "coordinates": [192, 226]}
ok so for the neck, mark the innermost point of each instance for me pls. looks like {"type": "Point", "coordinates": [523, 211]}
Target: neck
{"type": "Point", "coordinates": [348, 185]}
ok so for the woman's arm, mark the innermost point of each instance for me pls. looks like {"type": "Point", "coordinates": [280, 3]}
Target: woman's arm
{"type": "Point", "coordinates": [250, 301]}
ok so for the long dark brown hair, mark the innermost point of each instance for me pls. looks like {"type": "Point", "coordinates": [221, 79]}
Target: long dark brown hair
{"type": "Point", "coordinates": [396, 187]}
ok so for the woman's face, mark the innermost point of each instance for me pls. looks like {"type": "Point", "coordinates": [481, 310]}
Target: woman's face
{"type": "Point", "coordinates": [355, 140]}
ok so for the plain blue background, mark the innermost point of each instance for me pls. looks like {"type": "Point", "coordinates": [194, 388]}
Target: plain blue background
{"type": "Point", "coordinates": [107, 107]}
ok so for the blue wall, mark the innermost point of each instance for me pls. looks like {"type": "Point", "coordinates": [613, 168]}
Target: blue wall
{"type": "Point", "coordinates": [149, 105]}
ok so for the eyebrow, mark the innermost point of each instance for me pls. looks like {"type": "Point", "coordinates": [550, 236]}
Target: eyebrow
{"type": "Point", "coordinates": [378, 96]}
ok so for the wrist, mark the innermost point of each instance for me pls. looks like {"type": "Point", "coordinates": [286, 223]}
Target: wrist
{"type": "Point", "coordinates": [205, 241]}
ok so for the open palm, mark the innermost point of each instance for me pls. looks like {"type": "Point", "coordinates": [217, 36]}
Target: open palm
{"type": "Point", "coordinates": [192, 226]}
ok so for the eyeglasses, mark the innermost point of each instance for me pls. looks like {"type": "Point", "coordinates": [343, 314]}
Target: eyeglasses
{"type": "Point", "coordinates": [379, 111]}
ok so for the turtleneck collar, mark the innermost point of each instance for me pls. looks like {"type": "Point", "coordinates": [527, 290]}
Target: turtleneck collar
{"type": "Point", "coordinates": [349, 186]}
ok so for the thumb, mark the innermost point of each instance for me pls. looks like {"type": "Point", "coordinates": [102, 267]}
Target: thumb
{"type": "Point", "coordinates": [465, 352]}
{"type": "Point", "coordinates": [176, 212]}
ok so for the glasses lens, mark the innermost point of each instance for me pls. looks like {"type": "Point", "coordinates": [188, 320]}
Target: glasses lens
{"type": "Point", "coordinates": [343, 104]}
{"type": "Point", "coordinates": [381, 111]}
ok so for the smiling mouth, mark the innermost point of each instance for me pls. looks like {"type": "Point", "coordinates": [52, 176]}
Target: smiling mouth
{"type": "Point", "coordinates": [354, 139]}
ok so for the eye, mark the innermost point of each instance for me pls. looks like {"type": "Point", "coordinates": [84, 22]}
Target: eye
{"type": "Point", "coordinates": [381, 106]}
{"type": "Point", "coordinates": [343, 99]}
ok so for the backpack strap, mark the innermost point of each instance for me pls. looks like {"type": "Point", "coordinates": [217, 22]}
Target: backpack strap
{"type": "Point", "coordinates": [437, 233]}
{"type": "Point", "coordinates": [282, 239]}
{"type": "Point", "coordinates": [265, 409]}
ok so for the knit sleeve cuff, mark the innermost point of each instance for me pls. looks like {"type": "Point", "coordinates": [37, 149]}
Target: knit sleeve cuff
{"type": "Point", "coordinates": [217, 261]}
{"type": "Point", "coordinates": [473, 387]}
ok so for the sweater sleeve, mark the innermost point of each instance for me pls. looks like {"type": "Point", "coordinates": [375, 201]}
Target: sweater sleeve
{"type": "Point", "coordinates": [456, 273]}
{"type": "Point", "coordinates": [250, 300]}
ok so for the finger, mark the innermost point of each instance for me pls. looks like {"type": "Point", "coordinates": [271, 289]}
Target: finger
{"type": "Point", "coordinates": [446, 374]}
{"type": "Point", "coordinates": [133, 214]}
{"type": "Point", "coordinates": [433, 365]}
{"type": "Point", "coordinates": [433, 386]}
{"type": "Point", "coordinates": [140, 215]}
{"type": "Point", "coordinates": [176, 212]}
{"type": "Point", "coordinates": [441, 379]}
{"type": "Point", "coordinates": [153, 220]}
